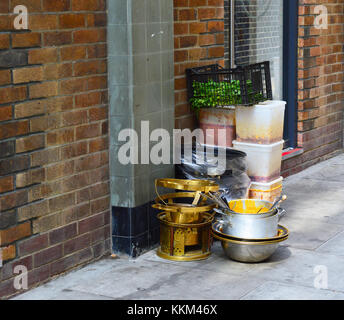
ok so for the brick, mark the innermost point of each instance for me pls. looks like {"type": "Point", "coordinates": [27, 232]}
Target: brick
{"type": "Point", "coordinates": [45, 55]}
{"type": "Point", "coordinates": [215, 26]}
{"type": "Point", "coordinates": [77, 244]}
{"type": "Point", "coordinates": [7, 149]}
{"type": "Point", "coordinates": [29, 109]}
{"type": "Point", "coordinates": [45, 22]}
{"type": "Point", "coordinates": [5, 77]}
{"type": "Point", "coordinates": [35, 210]}
{"type": "Point", "coordinates": [15, 164]}
{"type": "Point", "coordinates": [71, 21]}
{"type": "Point", "coordinates": [27, 75]}
{"type": "Point", "coordinates": [32, 245]}
{"type": "Point", "coordinates": [23, 40]}
{"type": "Point", "coordinates": [8, 253]}
{"type": "Point", "coordinates": [60, 170]}
{"type": "Point", "coordinates": [13, 129]}
{"type": "Point", "coordinates": [198, 27]}
{"type": "Point", "coordinates": [57, 38]}
{"type": "Point", "coordinates": [97, 82]}
{"type": "Point", "coordinates": [12, 94]}
{"type": "Point", "coordinates": [73, 53]}
{"type": "Point", "coordinates": [89, 67]}
{"type": "Point", "coordinates": [57, 71]}
{"type": "Point", "coordinates": [88, 99]}
{"type": "Point", "coordinates": [216, 52]}
{"type": "Point", "coordinates": [87, 131]}
{"type": "Point", "coordinates": [97, 20]}
{"type": "Point", "coordinates": [60, 137]}
{"type": "Point", "coordinates": [206, 13]}
{"type": "Point", "coordinates": [89, 36]}
{"type": "Point", "coordinates": [91, 223]}
{"type": "Point", "coordinates": [89, 162]}
{"type": "Point", "coordinates": [4, 7]}
{"type": "Point", "coordinates": [73, 86]}
{"type": "Point", "coordinates": [188, 41]}
{"type": "Point", "coordinates": [73, 260]}
{"type": "Point", "coordinates": [74, 118]}
{"type": "Point", "coordinates": [86, 5]}
{"type": "Point", "coordinates": [180, 55]}
{"type": "Point", "coordinates": [61, 202]}
{"type": "Point", "coordinates": [75, 213]}
{"type": "Point", "coordinates": [46, 89]}
{"type": "Point", "coordinates": [7, 219]}
{"type": "Point", "coordinates": [30, 143]}
{"type": "Point", "coordinates": [31, 5]}
{"type": "Point", "coordinates": [74, 150]}
{"type": "Point", "coordinates": [13, 58]}
{"type": "Point", "coordinates": [44, 157]}
{"type": "Point", "coordinates": [207, 39]}
{"type": "Point", "coordinates": [187, 14]}
{"type": "Point", "coordinates": [63, 234]}
{"type": "Point", "coordinates": [15, 199]}
{"type": "Point", "coordinates": [96, 114]}
{"type": "Point", "coordinates": [6, 184]}
{"type": "Point", "coordinates": [30, 177]}
{"type": "Point", "coordinates": [4, 41]}
{"type": "Point", "coordinates": [15, 233]}
{"type": "Point", "coordinates": [181, 28]}
{"type": "Point", "coordinates": [100, 235]}
{"type": "Point", "coordinates": [97, 51]}
{"type": "Point", "coordinates": [5, 113]}
{"type": "Point", "coordinates": [100, 205]}
{"type": "Point", "coordinates": [56, 5]}
{"type": "Point", "coordinates": [47, 223]}
{"type": "Point", "coordinates": [47, 256]}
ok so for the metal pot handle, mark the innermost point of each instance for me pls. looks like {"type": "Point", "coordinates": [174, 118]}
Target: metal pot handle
{"type": "Point", "coordinates": [281, 213]}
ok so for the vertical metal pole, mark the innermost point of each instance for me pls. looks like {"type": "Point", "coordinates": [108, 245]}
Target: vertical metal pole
{"type": "Point", "coordinates": [232, 40]}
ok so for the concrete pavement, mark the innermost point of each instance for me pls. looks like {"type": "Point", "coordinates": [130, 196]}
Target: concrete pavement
{"type": "Point", "coordinates": [313, 252]}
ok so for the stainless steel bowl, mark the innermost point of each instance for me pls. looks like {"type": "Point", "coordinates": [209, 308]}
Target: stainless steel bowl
{"type": "Point", "coordinates": [247, 250]}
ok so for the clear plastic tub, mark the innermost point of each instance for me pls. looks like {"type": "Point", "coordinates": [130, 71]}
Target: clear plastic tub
{"type": "Point", "coordinates": [263, 161]}
{"type": "Point", "coordinates": [266, 191]}
{"type": "Point", "coordinates": [262, 123]}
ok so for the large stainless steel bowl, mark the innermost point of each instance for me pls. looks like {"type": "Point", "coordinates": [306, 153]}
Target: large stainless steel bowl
{"type": "Point", "coordinates": [250, 250]}
{"type": "Point", "coordinates": [247, 251]}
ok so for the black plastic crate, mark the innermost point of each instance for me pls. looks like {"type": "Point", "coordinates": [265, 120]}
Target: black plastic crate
{"type": "Point", "coordinates": [214, 86]}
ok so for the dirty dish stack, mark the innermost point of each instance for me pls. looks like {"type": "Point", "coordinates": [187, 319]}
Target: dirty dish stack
{"type": "Point", "coordinates": [185, 219]}
{"type": "Point", "coordinates": [250, 231]}
{"type": "Point", "coordinates": [260, 136]}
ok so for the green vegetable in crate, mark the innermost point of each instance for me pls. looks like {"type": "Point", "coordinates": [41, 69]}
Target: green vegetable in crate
{"type": "Point", "coordinates": [223, 93]}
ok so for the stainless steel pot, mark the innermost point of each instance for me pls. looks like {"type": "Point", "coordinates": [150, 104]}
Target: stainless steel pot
{"type": "Point", "coordinates": [250, 225]}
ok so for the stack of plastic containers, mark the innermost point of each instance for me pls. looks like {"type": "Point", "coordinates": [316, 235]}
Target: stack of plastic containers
{"type": "Point", "coordinates": [259, 135]}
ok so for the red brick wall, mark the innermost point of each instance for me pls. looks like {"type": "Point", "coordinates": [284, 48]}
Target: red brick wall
{"type": "Point", "coordinates": [54, 190]}
{"type": "Point", "coordinates": [320, 85]}
{"type": "Point", "coordinates": [198, 41]}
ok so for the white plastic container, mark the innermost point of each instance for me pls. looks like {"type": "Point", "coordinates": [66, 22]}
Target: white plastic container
{"type": "Point", "coordinates": [263, 161]}
{"type": "Point", "coordinates": [266, 191]}
{"type": "Point", "coordinates": [262, 123]}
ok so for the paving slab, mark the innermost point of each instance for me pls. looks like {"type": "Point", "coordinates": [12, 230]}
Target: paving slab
{"type": "Point", "coordinates": [277, 291]}
{"type": "Point", "coordinates": [301, 267]}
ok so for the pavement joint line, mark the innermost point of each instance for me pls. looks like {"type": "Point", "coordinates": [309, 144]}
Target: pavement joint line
{"type": "Point", "coordinates": [336, 235]}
